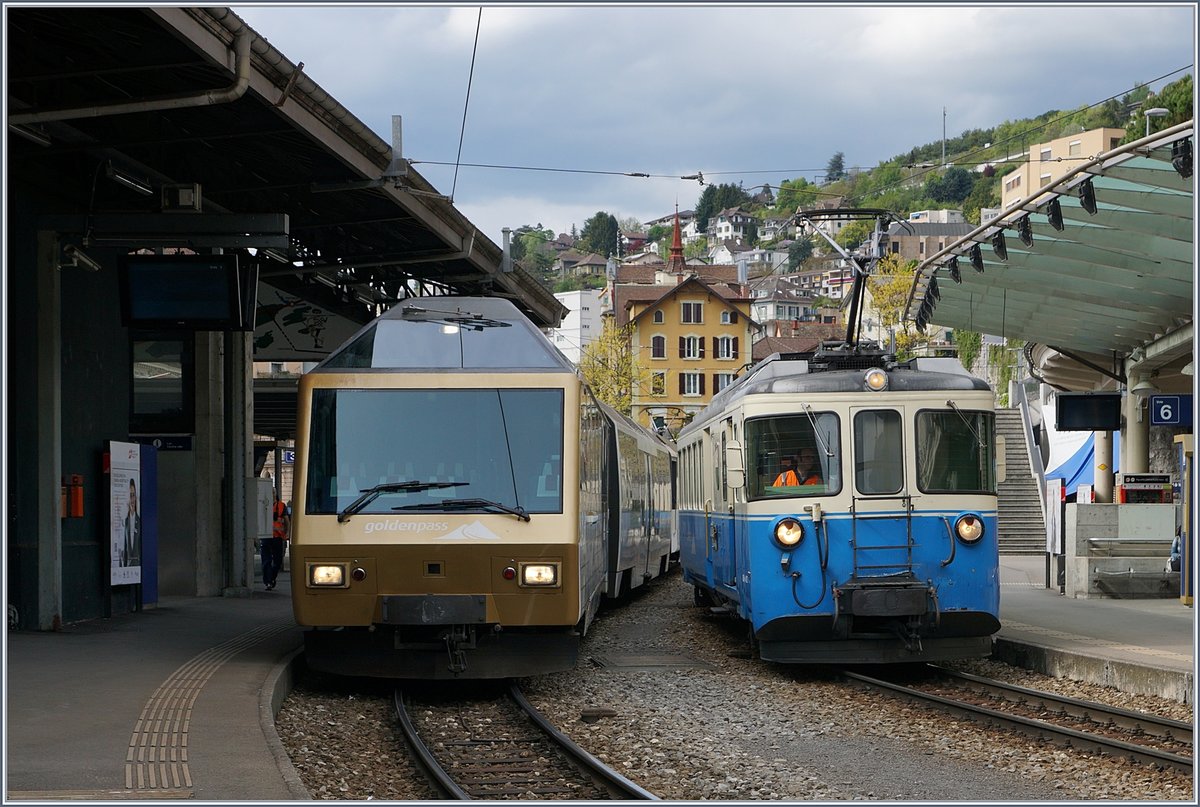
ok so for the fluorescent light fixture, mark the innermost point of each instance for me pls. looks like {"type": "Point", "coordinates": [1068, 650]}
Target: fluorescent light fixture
{"type": "Point", "coordinates": [977, 258]}
{"type": "Point", "coordinates": [952, 265]}
{"type": "Point", "coordinates": [122, 177]}
{"type": "Point", "coordinates": [1054, 214]}
{"type": "Point", "coordinates": [1025, 230]}
{"type": "Point", "coordinates": [32, 135]}
{"type": "Point", "coordinates": [999, 246]}
{"type": "Point", "coordinates": [1087, 196]}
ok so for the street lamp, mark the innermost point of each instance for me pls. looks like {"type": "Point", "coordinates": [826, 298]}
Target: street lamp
{"type": "Point", "coordinates": [1156, 112]}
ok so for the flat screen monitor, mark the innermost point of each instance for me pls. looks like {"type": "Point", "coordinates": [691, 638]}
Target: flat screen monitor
{"type": "Point", "coordinates": [1088, 412]}
{"type": "Point", "coordinates": [184, 292]}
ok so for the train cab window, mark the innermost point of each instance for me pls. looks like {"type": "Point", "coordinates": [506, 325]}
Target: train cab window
{"type": "Point", "coordinates": [792, 455]}
{"type": "Point", "coordinates": [954, 452]}
{"type": "Point", "coordinates": [878, 452]}
{"type": "Point", "coordinates": [506, 447]}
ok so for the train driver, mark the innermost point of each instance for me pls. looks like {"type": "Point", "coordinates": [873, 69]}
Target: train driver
{"type": "Point", "coordinates": [810, 469]}
{"type": "Point", "coordinates": [787, 473]}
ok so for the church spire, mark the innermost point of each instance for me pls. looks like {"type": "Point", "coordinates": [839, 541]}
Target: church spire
{"type": "Point", "coordinates": [676, 263]}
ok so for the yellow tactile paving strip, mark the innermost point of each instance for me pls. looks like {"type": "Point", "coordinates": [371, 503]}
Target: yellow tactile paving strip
{"type": "Point", "coordinates": [156, 763]}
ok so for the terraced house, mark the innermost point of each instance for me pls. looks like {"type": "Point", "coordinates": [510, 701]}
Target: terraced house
{"type": "Point", "coordinates": [692, 336]}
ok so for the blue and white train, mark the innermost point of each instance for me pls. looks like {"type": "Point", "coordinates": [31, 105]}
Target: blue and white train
{"type": "Point", "coordinates": [889, 553]}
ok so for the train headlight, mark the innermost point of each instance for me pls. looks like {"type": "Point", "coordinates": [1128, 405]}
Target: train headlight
{"type": "Point", "coordinates": [876, 379]}
{"type": "Point", "coordinates": [968, 528]}
{"type": "Point", "coordinates": [327, 575]}
{"type": "Point", "coordinates": [789, 532]}
{"type": "Point", "coordinates": [539, 575]}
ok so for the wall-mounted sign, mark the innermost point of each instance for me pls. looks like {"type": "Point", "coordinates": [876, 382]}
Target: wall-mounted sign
{"type": "Point", "coordinates": [1170, 410]}
{"type": "Point", "coordinates": [125, 516]}
{"type": "Point", "coordinates": [289, 328]}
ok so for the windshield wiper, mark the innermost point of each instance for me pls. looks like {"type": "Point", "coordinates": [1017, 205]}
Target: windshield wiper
{"type": "Point", "coordinates": [370, 494]}
{"type": "Point", "coordinates": [467, 504]}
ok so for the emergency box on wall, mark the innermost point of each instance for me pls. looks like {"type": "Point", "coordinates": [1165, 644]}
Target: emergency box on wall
{"type": "Point", "coordinates": [72, 496]}
{"type": "Point", "coordinates": [1143, 489]}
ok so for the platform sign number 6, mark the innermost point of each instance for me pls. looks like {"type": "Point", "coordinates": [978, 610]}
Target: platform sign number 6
{"type": "Point", "coordinates": [1170, 410]}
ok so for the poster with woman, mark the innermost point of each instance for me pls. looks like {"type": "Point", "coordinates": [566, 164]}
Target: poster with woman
{"type": "Point", "coordinates": [125, 519]}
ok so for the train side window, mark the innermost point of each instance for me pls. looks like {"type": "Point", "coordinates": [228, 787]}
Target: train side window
{"type": "Point", "coordinates": [878, 451]}
{"type": "Point", "coordinates": [954, 451]}
{"type": "Point", "coordinates": [774, 447]}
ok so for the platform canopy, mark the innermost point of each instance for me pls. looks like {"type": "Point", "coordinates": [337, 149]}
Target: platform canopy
{"type": "Point", "coordinates": [183, 127]}
{"type": "Point", "coordinates": [1088, 269]}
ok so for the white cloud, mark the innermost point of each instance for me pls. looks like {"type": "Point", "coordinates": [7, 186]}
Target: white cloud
{"type": "Point", "coordinates": [677, 89]}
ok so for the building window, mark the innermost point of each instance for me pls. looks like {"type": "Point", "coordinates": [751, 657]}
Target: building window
{"type": "Point", "coordinates": [721, 381]}
{"type": "Point", "coordinates": [692, 313]}
{"type": "Point", "coordinates": [1045, 155]}
{"type": "Point", "coordinates": [921, 248]}
{"type": "Point", "coordinates": [658, 317]}
{"type": "Point", "coordinates": [1075, 148]}
{"type": "Point", "coordinates": [658, 384]}
{"type": "Point", "coordinates": [725, 347]}
{"type": "Point", "coordinates": [728, 317]}
{"type": "Point", "coordinates": [1043, 180]}
{"type": "Point", "coordinates": [691, 347]}
{"type": "Point", "coordinates": [691, 383]}
{"type": "Point", "coordinates": [658, 347]}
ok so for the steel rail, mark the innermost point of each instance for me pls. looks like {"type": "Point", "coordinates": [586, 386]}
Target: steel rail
{"type": "Point", "coordinates": [1059, 734]}
{"type": "Point", "coordinates": [621, 788]}
{"type": "Point", "coordinates": [437, 774]}
{"type": "Point", "coordinates": [1097, 712]}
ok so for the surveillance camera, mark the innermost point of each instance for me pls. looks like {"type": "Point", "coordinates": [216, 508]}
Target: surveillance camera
{"type": "Point", "coordinates": [77, 257]}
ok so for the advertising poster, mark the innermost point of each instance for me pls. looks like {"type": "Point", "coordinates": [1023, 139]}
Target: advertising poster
{"type": "Point", "coordinates": [125, 518]}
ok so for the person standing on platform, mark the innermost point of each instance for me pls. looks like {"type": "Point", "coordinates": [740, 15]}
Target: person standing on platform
{"type": "Point", "coordinates": [272, 548]}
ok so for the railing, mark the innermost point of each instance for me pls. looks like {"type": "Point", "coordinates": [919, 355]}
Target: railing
{"type": "Point", "coordinates": [1016, 395]}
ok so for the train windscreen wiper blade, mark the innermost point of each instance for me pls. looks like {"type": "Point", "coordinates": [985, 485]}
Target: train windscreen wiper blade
{"type": "Point", "coordinates": [370, 494]}
{"type": "Point", "coordinates": [467, 504]}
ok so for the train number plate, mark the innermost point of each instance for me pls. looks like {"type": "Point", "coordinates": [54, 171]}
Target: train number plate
{"type": "Point", "coordinates": [435, 609]}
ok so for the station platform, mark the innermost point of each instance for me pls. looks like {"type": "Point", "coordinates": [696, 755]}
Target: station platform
{"type": "Point", "coordinates": [178, 701]}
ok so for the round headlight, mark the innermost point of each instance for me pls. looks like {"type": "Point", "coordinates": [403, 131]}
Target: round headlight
{"type": "Point", "coordinates": [969, 528]}
{"type": "Point", "coordinates": [876, 379]}
{"type": "Point", "coordinates": [789, 532]}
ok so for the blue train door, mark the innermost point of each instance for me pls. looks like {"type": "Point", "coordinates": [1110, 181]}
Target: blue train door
{"type": "Point", "coordinates": [881, 537]}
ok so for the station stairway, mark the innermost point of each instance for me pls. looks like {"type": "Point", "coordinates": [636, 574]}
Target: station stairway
{"type": "Point", "coordinates": [1022, 524]}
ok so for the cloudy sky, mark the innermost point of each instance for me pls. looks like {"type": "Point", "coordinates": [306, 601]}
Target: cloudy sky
{"type": "Point", "coordinates": [750, 94]}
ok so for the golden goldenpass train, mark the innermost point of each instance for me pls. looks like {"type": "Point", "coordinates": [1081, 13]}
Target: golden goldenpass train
{"type": "Point", "coordinates": [462, 503]}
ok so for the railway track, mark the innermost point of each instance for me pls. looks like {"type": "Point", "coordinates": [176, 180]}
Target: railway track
{"type": "Point", "coordinates": [500, 747]}
{"type": "Point", "coordinates": [1093, 727]}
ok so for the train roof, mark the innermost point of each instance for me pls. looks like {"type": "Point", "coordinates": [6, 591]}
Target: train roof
{"type": "Point", "coordinates": [836, 368]}
{"type": "Point", "coordinates": [647, 439]}
{"type": "Point", "coordinates": [449, 333]}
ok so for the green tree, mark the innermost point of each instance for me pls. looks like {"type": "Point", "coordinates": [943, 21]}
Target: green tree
{"type": "Point", "coordinates": [969, 345]}
{"type": "Point", "coordinates": [985, 193]}
{"type": "Point", "coordinates": [836, 168]}
{"type": "Point", "coordinates": [799, 252]}
{"type": "Point", "coordinates": [611, 369]}
{"type": "Point", "coordinates": [599, 235]}
{"type": "Point", "coordinates": [795, 194]}
{"type": "Point", "coordinates": [715, 198]}
{"type": "Point", "coordinates": [951, 188]}
{"type": "Point", "coordinates": [855, 233]}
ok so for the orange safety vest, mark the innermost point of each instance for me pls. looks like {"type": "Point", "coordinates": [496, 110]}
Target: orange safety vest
{"type": "Point", "coordinates": [787, 478]}
{"type": "Point", "coordinates": [277, 528]}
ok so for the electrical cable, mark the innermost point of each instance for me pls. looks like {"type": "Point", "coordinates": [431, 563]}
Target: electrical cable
{"type": "Point", "coordinates": [470, 77]}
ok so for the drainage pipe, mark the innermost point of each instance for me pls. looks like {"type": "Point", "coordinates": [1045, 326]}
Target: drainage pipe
{"type": "Point", "coordinates": [241, 49]}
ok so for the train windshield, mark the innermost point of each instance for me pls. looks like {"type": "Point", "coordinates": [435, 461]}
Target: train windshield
{"type": "Point", "coordinates": [793, 455]}
{"type": "Point", "coordinates": [955, 452]}
{"type": "Point", "coordinates": [505, 444]}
